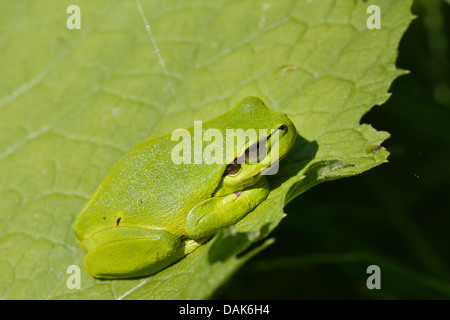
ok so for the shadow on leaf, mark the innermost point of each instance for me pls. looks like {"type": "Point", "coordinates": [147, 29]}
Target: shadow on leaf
{"type": "Point", "coordinates": [229, 243]}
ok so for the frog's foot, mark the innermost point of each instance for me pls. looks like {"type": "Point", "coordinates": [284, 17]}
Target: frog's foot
{"type": "Point", "coordinates": [127, 252]}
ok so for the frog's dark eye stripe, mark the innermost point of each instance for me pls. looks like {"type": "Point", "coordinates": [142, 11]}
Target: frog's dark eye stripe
{"type": "Point", "coordinates": [251, 154]}
{"type": "Point", "coordinates": [232, 169]}
{"type": "Point", "coordinates": [257, 151]}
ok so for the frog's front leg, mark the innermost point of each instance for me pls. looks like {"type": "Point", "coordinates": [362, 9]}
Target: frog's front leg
{"type": "Point", "coordinates": [215, 213]}
{"type": "Point", "coordinates": [126, 252]}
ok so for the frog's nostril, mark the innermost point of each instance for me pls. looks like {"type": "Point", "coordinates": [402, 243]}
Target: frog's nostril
{"type": "Point", "coordinates": [118, 221]}
{"type": "Point", "coordinates": [282, 127]}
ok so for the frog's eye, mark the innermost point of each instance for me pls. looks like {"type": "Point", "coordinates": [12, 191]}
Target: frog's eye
{"type": "Point", "coordinates": [232, 169]}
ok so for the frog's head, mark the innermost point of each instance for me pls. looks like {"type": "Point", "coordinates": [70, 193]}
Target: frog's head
{"type": "Point", "coordinates": [272, 138]}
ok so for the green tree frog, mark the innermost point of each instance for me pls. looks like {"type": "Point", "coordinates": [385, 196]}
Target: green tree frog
{"type": "Point", "coordinates": [150, 212]}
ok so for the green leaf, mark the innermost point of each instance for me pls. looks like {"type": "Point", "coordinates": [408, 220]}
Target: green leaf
{"type": "Point", "coordinates": [73, 101]}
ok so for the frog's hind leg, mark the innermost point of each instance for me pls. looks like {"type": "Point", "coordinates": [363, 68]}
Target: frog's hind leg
{"type": "Point", "coordinates": [127, 252]}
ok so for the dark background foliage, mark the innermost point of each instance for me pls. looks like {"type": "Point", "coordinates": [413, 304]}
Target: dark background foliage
{"type": "Point", "coordinates": [395, 216]}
